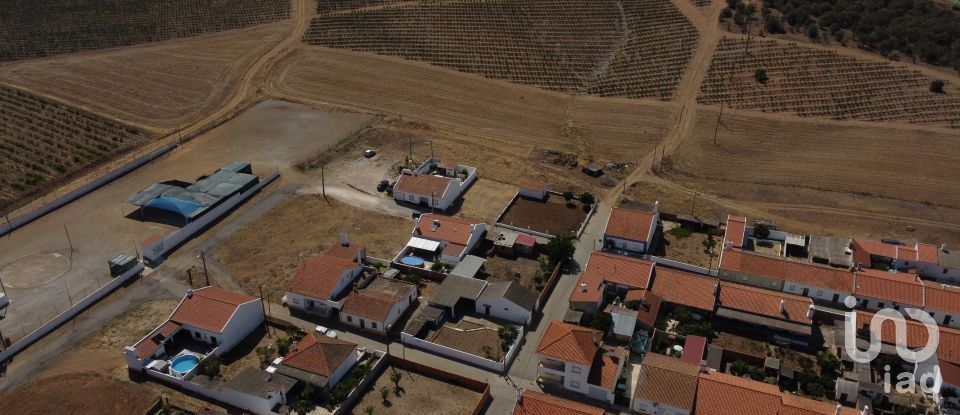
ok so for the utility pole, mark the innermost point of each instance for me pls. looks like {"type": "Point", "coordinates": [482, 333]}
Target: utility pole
{"type": "Point", "coordinates": [203, 259]}
{"type": "Point", "coordinates": [323, 182]}
{"type": "Point", "coordinates": [431, 149]}
{"type": "Point", "coordinates": [410, 139]}
{"type": "Point", "coordinates": [716, 128]}
{"type": "Point", "coordinates": [693, 208]}
{"type": "Point", "coordinates": [190, 276]}
{"type": "Point", "coordinates": [68, 240]}
{"type": "Point", "coordinates": [67, 287]}
{"type": "Point", "coordinates": [263, 306]}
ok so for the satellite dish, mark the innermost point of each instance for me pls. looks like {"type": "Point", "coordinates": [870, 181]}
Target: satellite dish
{"type": "Point", "coordinates": [678, 348]}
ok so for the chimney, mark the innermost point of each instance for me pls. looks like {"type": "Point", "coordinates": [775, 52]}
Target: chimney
{"type": "Point", "coordinates": [703, 367]}
{"type": "Point", "coordinates": [865, 411]}
{"type": "Point", "coordinates": [656, 206]}
{"type": "Point", "coordinates": [583, 287]}
{"type": "Point", "coordinates": [944, 248]}
{"type": "Point", "coordinates": [810, 312]}
{"type": "Point", "coordinates": [343, 240]}
{"type": "Point", "coordinates": [189, 293]}
{"type": "Point", "coordinates": [435, 225]}
{"type": "Point", "coordinates": [782, 306]}
{"type": "Point", "coordinates": [716, 289]}
{"type": "Point", "coordinates": [519, 395]}
{"type": "Point", "coordinates": [727, 245]}
{"type": "Point", "coordinates": [597, 337]}
{"type": "Point", "coordinates": [837, 412]}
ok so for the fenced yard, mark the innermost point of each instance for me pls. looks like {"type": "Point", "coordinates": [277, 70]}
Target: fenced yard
{"type": "Point", "coordinates": [555, 216]}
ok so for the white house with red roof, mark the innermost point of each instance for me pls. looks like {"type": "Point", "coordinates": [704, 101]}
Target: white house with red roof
{"type": "Point", "coordinates": [631, 231]}
{"type": "Point", "coordinates": [379, 305]}
{"type": "Point", "coordinates": [207, 321]}
{"type": "Point", "coordinates": [535, 403]}
{"type": "Point", "coordinates": [574, 358]}
{"type": "Point", "coordinates": [319, 360]}
{"type": "Point", "coordinates": [434, 184]}
{"type": "Point", "coordinates": [443, 238]}
{"type": "Point", "coordinates": [608, 275]}
{"type": "Point", "coordinates": [320, 284]}
{"type": "Point", "coordinates": [938, 262]}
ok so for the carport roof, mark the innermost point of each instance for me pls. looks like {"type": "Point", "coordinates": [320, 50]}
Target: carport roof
{"type": "Point", "coordinates": [468, 267]}
{"type": "Point", "coordinates": [454, 287]}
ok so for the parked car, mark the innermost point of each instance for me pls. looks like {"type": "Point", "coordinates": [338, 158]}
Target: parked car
{"type": "Point", "coordinates": [326, 332]}
{"type": "Point", "coordinates": [369, 152]}
{"type": "Point", "coordinates": [416, 214]}
{"type": "Point", "coordinates": [383, 185]}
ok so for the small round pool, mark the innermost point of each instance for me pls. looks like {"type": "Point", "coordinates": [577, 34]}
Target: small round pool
{"type": "Point", "coordinates": [413, 261]}
{"type": "Point", "coordinates": [184, 364]}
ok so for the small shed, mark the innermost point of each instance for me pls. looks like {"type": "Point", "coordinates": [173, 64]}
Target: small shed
{"type": "Point", "coordinates": [121, 264]}
{"type": "Point", "coordinates": [468, 267]}
{"type": "Point", "coordinates": [504, 243]}
{"type": "Point", "coordinates": [624, 323]}
{"type": "Point", "coordinates": [525, 245]}
{"type": "Point", "coordinates": [533, 189]}
{"type": "Point", "coordinates": [593, 169]}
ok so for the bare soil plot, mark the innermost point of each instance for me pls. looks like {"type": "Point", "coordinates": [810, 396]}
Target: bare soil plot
{"type": "Point", "coordinates": [42, 142]}
{"type": "Point", "coordinates": [418, 394]}
{"type": "Point", "coordinates": [159, 86]}
{"type": "Point", "coordinates": [687, 246]}
{"type": "Point", "coordinates": [78, 393]}
{"type": "Point", "coordinates": [636, 49]}
{"type": "Point", "coordinates": [476, 341]}
{"type": "Point", "coordinates": [823, 83]}
{"type": "Point", "coordinates": [268, 249]}
{"type": "Point", "coordinates": [555, 216]}
{"type": "Point", "coordinates": [34, 29]}
{"type": "Point", "coordinates": [482, 112]}
{"type": "Point", "coordinates": [520, 269]}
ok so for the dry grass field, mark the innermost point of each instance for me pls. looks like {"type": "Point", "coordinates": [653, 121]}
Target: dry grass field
{"type": "Point", "coordinates": [418, 394]}
{"type": "Point", "coordinates": [815, 82]}
{"type": "Point", "coordinates": [268, 249]}
{"type": "Point", "coordinates": [157, 86]}
{"type": "Point", "coordinates": [79, 394]}
{"type": "Point", "coordinates": [635, 49]}
{"type": "Point", "coordinates": [42, 141]}
{"type": "Point", "coordinates": [30, 29]}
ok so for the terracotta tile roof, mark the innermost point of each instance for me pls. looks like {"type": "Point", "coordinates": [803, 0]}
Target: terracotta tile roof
{"type": "Point", "coordinates": [452, 229]}
{"type": "Point", "coordinates": [723, 394]}
{"type": "Point", "coordinates": [667, 381]}
{"type": "Point", "coordinates": [536, 403]}
{"type": "Point", "coordinates": [149, 344]}
{"type": "Point", "coordinates": [618, 269]}
{"type": "Point", "coordinates": [735, 231]}
{"type": "Point", "coordinates": [448, 165]}
{"type": "Point", "coordinates": [928, 253]}
{"type": "Point", "coordinates": [526, 240]}
{"type": "Point", "coordinates": [630, 224]}
{"type": "Point", "coordinates": [209, 308]}
{"type": "Point", "coordinates": [453, 249]}
{"type": "Point", "coordinates": [422, 184]}
{"type": "Point", "coordinates": [797, 405]}
{"type": "Point", "coordinates": [647, 314]}
{"type": "Point", "coordinates": [685, 288]}
{"type": "Point", "coordinates": [605, 368]}
{"type": "Point", "coordinates": [318, 276]}
{"type": "Point", "coordinates": [344, 251]}
{"type": "Point", "coordinates": [901, 287]}
{"type": "Point", "coordinates": [569, 343]}
{"type": "Point", "coordinates": [321, 355]}
{"type": "Point", "coordinates": [905, 253]}
{"type": "Point", "coordinates": [764, 302]}
{"type": "Point", "coordinates": [941, 297]}
{"type": "Point", "coordinates": [534, 185]}
{"type": "Point", "coordinates": [950, 373]}
{"type": "Point", "coordinates": [694, 347]}
{"type": "Point", "coordinates": [784, 269]}
{"type": "Point", "coordinates": [376, 300]}
{"type": "Point", "coordinates": [864, 248]}
{"type": "Point", "coordinates": [948, 349]}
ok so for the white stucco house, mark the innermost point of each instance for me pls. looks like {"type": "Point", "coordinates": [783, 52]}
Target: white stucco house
{"type": "Point", "coordinates": [208, 316]}
{"type": "Point", "coordinates": [573, 358]}
{"type": "Point", "coordinates": [320, 284]}
{"type": "Point", "coordinates": [320, 360]}
{"type": "Point", "coordinates": [939, 263]}
{"type": "Point", "coordinates": [665, 386]}
{"type": "Point", "coordinates": [442, 238]}
{"type": "Point", "coordinates": [379, 305]}
{"type": "Point", "coordinates": [434, 185]}
{"type": "Point", "coordinates": [508, 301]}
{"type": "Point", "coordinates": [631, 231]}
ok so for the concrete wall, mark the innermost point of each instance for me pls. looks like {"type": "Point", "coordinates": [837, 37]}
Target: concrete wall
{"type": "Point", "coordinates": [499, 367]}
{"type": "Point", "coordinates": [247, 318]}
{"type": "Point", "coordinates": [69, 313]}
{"type": "Point", "coordinates": [366, 383]}
{"type": "Point", "coordinates": [620, 244]}
{"type": "Point", "coordinates": [156, 252]}
{"type": "Point", "coordinates": [669, 263]}
{"type": "Point", "coordinates": [83, 190]}
{"type": "Point", "coordinates": [256, 404]}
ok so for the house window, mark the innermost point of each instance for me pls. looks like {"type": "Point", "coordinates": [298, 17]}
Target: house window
{"type": "Point", "coordinates": [880, 305]}
{"type": "Point", "coordinates": [793, 287]}
{"type": "Point", "coordinates": [575, 384]}
{"type": "Point", "coordinates": [349, 319]}
{"type": "Point", "coordinates": [196, 334]}
{"type": "Point", "coordinates": [373, 325]}
{"type": "Point", "coordinates": [436, 202]}
{"type": "Point", "coordinates": [411, 198]}
{"type": "Point", "coordinates": [575, 369]}
{"type": "Point", "coordinates": [819, 293]}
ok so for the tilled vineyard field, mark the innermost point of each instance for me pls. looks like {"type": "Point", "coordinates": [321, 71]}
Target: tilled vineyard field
{"type": "Point", "coordinates": [814, 82]}
{"type": "Point", "coordinates": [635, 49]}
{"type": "Point", "coordinates": [30, 29]}
{"type": "Point", "coordinates": [326, 6]}
{"type": "Point", "coordinates": [41, 141]}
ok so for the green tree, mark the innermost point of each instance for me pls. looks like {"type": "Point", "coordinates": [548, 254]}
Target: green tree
{"type": "Point", "coordinates": [828, 363]}
{"type": "Point", "coordinates": [283, 346]}
{"type": "Point", "coordinates": [773, 25]}
{"type": "Point", "coordinates": [587, 198]}
{"type": "Point", "coordinates": [560, 249]}
{"type": "Point", "coordinates": [368, 410]}
{"type": "Point", "coordinates": [601, 321]}
{"type": "Point", "coordinates": [813, 32]}
{"type": "Point", "coordinates": [395, 377]}
{"type": "Point", "coordinates": [211, 366]}
{"type": "Point", "coordinates": [568, 196]}
{"type": "Point", "coordinates": [264, 354]}
{"type": "Point", "coordinates": [761, 231]}
{"type": "Point", "coordinates": [384, 393]}
{"type": "Point", "coordinates": [937, 86]}
{"type": "Point", "coordinates": [709, 244]}
{"type": "Point", "coordinates": [761, 75]}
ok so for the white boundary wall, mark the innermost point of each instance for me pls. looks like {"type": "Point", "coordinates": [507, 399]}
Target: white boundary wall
{"type": "Point", "coordinates": [83, 190]}
{"type": "Point", "coordinates": [69, 313]}
{"type": "Point", "coordinates": [156, 251]}
{"type": "Point", "coordinates": [669, 263]}
{"type": "Point", "coordinates": [499, 367]}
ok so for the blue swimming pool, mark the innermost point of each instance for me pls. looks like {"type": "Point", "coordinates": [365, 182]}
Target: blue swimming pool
{"type": "Point", "coordinates": [413, 261]}
{"type": "Point", "coordinates": [185, 363]}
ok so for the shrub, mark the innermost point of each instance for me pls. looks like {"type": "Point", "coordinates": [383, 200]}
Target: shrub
{"type": "Point", "coordinates": [773, 24]}
{"type": "Point", "coordinates": [632, 304]}
{"type": "Point", "coordinates": [396, 377]}
{"type": "Point", "coordinates": [761, 231]}
{"type": "Point", "coordinates": [761, 75]}
{"type": "Point", "coordinates": [560, 249]}
{"type": "Point", "coordinates": [680, 232]}
{"type": "Point", "coordinates": [813, 32]}
{"type": "Point", "coordinates": [587, 198]}
{"type": "Point", "coordinates": [507, 333]}
{"type": "Point", "coordinates": [601, 321]}
{"type": "Point", "coordinates": [828, 363]}
{"type": "Point", "coordinates": [384, 393]}
{"type": "Point", "coordinates": [210, 366]}
{"type": "Point", "coordinates": [283, 346]}
{"type": "Point", "coordinates": [937, 86]}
